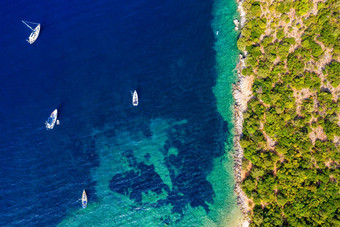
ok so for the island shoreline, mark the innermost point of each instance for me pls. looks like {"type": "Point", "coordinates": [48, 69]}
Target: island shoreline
{"type": "Point", "coordinates": [285, 112]}
{"type": "Point", "coordinates": [241, 94]}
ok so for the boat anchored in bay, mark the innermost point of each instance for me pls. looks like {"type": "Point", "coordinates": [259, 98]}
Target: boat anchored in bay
{"type": "Point", "coordinates": [84, 200]}
{"type": "Point", "coordinates": [52, 120]}
{"type": "Point", "coordinates": [34, 31]}
{"type": "Point", "coordinates": [135, 98]}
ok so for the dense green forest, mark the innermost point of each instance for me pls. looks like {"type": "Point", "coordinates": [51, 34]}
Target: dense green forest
{"type": "Point", "coordinates": [291, 132]}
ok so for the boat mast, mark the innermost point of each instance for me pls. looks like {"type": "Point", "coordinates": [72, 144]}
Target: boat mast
{"type": "Point", "coordinates": [28, 25]}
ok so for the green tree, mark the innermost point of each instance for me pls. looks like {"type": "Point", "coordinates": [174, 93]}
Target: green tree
{"type": "Point", "coordinates": [333, 73]}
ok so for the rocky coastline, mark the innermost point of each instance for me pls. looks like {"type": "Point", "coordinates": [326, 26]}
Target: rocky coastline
{"type": "Point", "coordinates": [242, 93]}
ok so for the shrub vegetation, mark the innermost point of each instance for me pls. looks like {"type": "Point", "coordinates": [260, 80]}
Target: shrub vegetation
{"type": "Point", "coordinates": [292, 51]}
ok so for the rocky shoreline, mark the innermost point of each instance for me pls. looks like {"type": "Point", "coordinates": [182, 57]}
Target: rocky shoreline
{"type": "Point", "coordinates": [242, 93]}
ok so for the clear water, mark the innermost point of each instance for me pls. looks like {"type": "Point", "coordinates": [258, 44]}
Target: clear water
{"type": "Point", "coordinates": [165, 162]}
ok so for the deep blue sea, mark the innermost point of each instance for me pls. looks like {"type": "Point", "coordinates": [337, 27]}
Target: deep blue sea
{"type": "Point", "coordinates": [160, 160]}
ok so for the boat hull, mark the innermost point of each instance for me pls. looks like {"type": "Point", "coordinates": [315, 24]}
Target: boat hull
{"type": "Point", "coordinates": [34, 35]}
{"type": "Point", "coordinates": [84, 200]}
{"type": "Point", "coordinates": [135, 98]}
{"type": "Point", "coordinates": [52, 120]}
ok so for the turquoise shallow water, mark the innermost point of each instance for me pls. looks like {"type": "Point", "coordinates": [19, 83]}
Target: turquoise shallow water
{"type": "Point", "coordinates": [131, 153]}
{"type": "Point", "coordinates": [121, 154]}
{"type": "Point", "coordinates": [165, 162]}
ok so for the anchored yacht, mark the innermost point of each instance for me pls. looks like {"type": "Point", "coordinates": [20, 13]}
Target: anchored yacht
{"type": "Point", "coordinates": [84, 200]}
{"type": "Point", "coordinates": [52, 119]}
{"type": "Point", "coordinates": [34, 31]}
{"type": "Point", "coordinates": [135, 98]}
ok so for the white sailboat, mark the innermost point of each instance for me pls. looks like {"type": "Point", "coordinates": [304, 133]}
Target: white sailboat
{"type": "Point", "coordinates": [52, 120]}
{"type": "Point", "coordinates": [135, 98]}
{"type": "Point", "coordinates": [35, 31]}
{"type": "Point", "coordinates": [84, 200]}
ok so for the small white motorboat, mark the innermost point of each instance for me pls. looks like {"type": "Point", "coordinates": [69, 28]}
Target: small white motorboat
{"type": "Point", "coordinates": [135, 98]}
{"type": "Point", "coordinates": [35, 31]}
{"type": "Point", "coordinates": [84, 200]}
{"type": "Point", "coordinates": [52, 119]}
